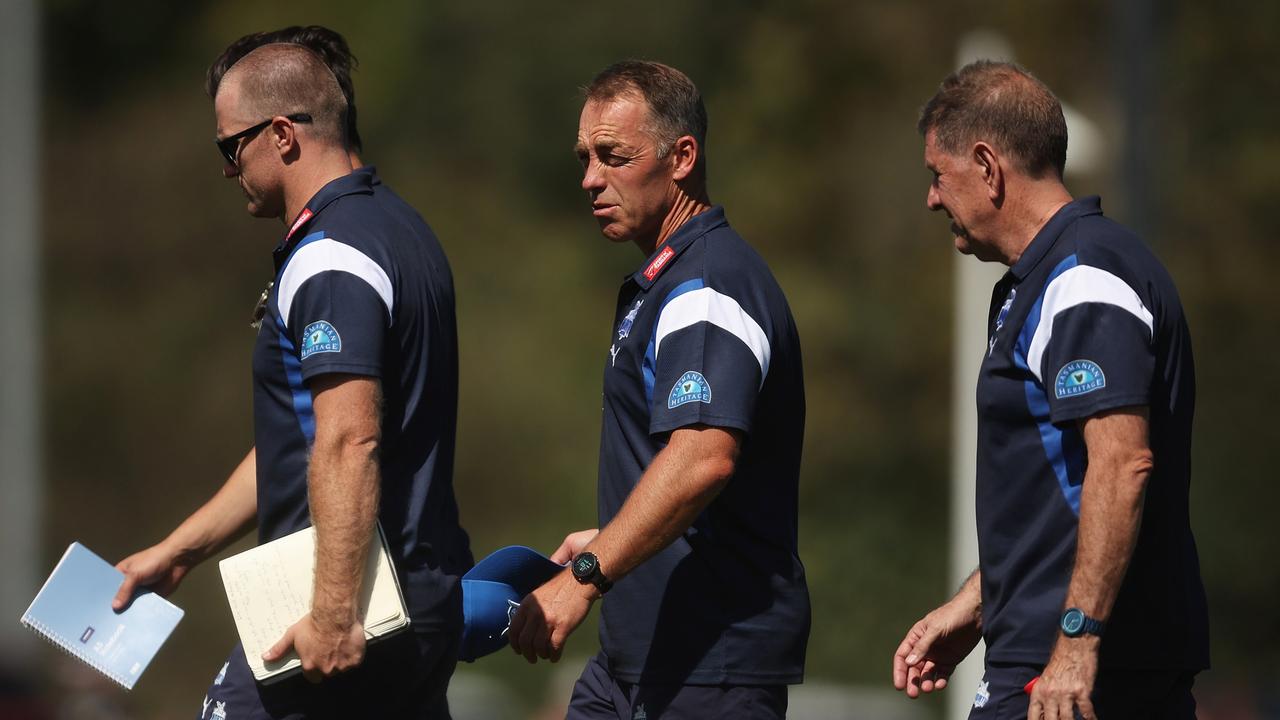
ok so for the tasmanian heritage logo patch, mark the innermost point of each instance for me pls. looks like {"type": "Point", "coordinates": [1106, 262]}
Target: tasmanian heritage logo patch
{"type": "Point", "coordinates": [1077, 378]}
{"type": "Point", "coordinates": [320, 337]}
{"type": "Point", "coordinates": [691, 387]}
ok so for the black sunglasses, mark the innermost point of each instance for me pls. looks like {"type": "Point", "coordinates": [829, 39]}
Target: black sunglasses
{"type": "Point", "coordinates": [228, 145]}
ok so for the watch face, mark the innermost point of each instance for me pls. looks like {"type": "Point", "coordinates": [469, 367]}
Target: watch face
{"type": "Point", "coordinates": [584, 564]}
{"type": "Point", "coordinates": [1072, 621]}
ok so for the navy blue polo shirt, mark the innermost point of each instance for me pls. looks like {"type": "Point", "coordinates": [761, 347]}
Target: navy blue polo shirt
{"type": "Point", "coordinates": [1087, 320]}
{"type": "Point", "coordinates": [703, 335]}
{"type": "Point", "coordinates": [362, 287]}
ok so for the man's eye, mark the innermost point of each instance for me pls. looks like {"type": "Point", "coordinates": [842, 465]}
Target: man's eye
{"type": "Point", "coordinates": [613, 160]}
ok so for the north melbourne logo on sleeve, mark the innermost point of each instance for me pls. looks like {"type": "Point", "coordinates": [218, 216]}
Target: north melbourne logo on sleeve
{"type": "Point", "coordinates": [691, 387]}
{"type": "Point", "coordinates": [1077, 378]}
{"type": "Point", "coordinates": [320, 337]}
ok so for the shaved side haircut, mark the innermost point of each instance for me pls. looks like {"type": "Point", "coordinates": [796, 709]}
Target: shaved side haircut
{"type": "Point", "coordinates": [283, 79]}
{"type": "Point", "coordinates": [1003, 104]}
{"type": "Point", "coordinates": [328, 44]}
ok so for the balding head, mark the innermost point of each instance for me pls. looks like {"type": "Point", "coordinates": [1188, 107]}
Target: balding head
{"type": "Point", "coordinates": [284, 79]}
{"type": "Point", "coordinates": [1002, 104]}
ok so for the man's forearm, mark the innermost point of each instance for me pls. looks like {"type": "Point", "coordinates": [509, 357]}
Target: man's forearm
{"type": "Point", "coordinates": [225, 518]}
{"type": "Point", "coordinates": [1110, 515]}
{"type": "Point", "coordinates": [1111, 501]}
{"type": "Point", "coordinates": [678, 485]}
{"type": "Point", "coordinates": [970, 593]}
{"type": "Point", "coordinates": [343, 482]}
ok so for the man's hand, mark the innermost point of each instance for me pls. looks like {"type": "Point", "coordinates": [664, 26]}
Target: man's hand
{"type": "Point", "coordinates": [158, 568]}
{"type": "Point", "coordinates": [325, 650]}
{"type": "Point", "coordinates": [573, 544]}
{"type": "Point", "coordinates": [549, 614]}
{"type": "Point", "coordinates": [936, 644]}
{"type": "Point", "coordinates": [1067, 681]}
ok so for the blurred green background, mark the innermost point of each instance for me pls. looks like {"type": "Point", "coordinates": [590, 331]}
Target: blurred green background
{"type": "Point", "coordinates": [151, 267]}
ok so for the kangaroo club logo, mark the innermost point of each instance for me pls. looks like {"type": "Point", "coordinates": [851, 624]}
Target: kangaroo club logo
{"type": "Point", "coordinates": [691, 387]}
{"type": "Point", "coordinates": [624, 329]}
{"type": "Point", "coordinates": [320, 337]}
{"type": "Point", "coordinates": [1077, 378]}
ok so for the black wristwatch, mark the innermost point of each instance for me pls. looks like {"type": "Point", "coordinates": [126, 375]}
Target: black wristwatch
{"type": "Point", "coordinates": [586, 570]}
{"type": "Point", "coordinates": [1075, 623]}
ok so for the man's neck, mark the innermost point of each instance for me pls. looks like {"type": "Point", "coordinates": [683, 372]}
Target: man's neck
{"type": "Point", "coordinates": [303, 181]}
{"type": "Point", "coordinates": [682, 211]}
{"type": "Point", "coordinates": [1040, 202]}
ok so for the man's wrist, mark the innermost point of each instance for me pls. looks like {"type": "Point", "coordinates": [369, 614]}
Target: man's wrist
{"type": "Point", "coordinates": [333, 618]}
{"type": "Point", "coordinates": [590, 592]}
{"type": "Point", "coordinates": [180, 553]}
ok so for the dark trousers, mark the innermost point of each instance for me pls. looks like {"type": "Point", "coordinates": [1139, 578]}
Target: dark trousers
{"type": "Point", "coordinates": [599, 696]}
{"type": "Point", "coordinates": [1117, 694]}
{"type": "Point", "coordinates": [404, 676]}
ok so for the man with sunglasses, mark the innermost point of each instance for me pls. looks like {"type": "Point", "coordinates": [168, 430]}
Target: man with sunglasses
{"type": "Point", "coordinates": [355, 396]}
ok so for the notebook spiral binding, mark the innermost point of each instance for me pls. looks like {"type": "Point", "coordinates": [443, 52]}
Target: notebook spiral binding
{"type": "Point", "coordinates": [40, 629]}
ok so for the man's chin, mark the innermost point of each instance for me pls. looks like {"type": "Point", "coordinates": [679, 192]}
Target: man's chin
{"type": "Point", "coordinates": [259, 211]}
{"type": "Point", "coordinates": [984, 254]}
{"type": "Point", "coordinates": [613, 232]}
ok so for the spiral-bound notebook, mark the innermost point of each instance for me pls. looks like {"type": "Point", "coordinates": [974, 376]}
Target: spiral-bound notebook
{"type": "Point", "coordinates": [73, 611]}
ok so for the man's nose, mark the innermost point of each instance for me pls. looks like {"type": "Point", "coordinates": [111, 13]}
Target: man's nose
{"type": "Point", "coordinates": [931, 199]}
{"type": "Point", "coordinates": [229, 171]}
{"type": "Point", "coordinates": [592, 178]}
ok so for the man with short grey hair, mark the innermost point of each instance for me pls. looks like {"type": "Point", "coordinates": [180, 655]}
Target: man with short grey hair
{"type": "Point", "coordinates": [706, 610]}
{"type": "Point", "coordinates": [1088, 589]}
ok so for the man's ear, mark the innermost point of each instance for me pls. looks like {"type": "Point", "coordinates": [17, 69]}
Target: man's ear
{"type": "Point", "coordinates": [285, 137]}
{"type": "Point", "coordinates": [992, 169]}
{"type": "Point", "coordinates": [684, 157]}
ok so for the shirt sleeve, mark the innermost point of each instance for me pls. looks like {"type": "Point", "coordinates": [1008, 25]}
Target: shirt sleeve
{"type": "Point", "coordinates": [337, 308]}
{"type": "Point", "coordinates": [710, 361]}
{"type": "Point", "coordinates": [1093, 349]}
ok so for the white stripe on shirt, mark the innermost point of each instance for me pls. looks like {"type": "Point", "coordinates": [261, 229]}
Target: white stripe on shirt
{"type": "Point", "coordinates": [325, 255]}
{"type": "Point", "coordinates": [707, 305]}
{"type": "Point", "coordinates": [1081, 284]}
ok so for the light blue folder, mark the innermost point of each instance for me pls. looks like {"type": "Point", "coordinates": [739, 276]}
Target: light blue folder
{"type": "Point", "coordinates": [73, 610]}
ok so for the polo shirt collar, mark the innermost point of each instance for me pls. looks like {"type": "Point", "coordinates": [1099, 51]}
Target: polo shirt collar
{"type": "Point", "coordinates": [1048, 235]}
{"type": "Point", "coordinates": [354, 183]}
{"type": "Point", "coordinates": [665, 254]}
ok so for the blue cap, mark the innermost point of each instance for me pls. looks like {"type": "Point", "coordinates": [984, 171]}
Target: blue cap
{"type": "Point", "coordinates": [491, 593]}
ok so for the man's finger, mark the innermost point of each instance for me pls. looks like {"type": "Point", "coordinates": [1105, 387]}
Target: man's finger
{"type": "Point", "coordinates": [922, 644]}
{"type": "Point", "coordinates": [564, 553]}
{"type": "Point", "coordinates": [558, 641]}
{"type": "Point", "coordinates": [125, 592]}
{"type": "Point", "coordinates": [1086, 708]}
{"type": "Point", "coordinates": [913, 682]}
{"type": "Point", "coordinates": [277, 651]}
{"type": "Point", "coordinates": [928, 676]}
{"type": "Point", "coordinates": [542, 643]}
{"type": "Point", "coordinates": [527, 635]}
{"type": "Point", "coordinates": [900, 657]}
